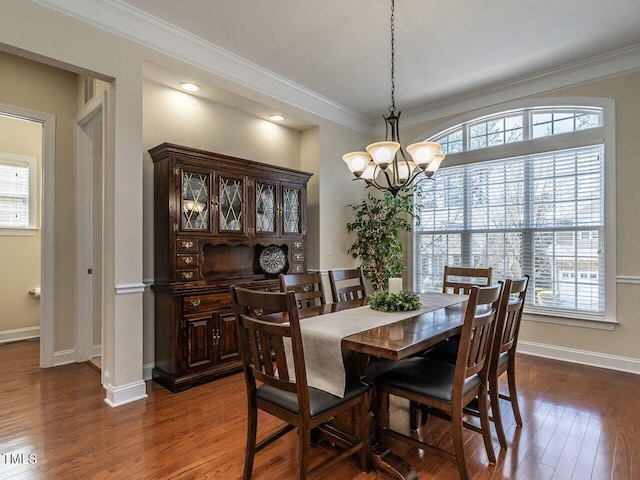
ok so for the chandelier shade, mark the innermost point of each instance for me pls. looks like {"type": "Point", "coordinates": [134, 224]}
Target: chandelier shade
{"type": "Point", "coordinates": [385, 165]}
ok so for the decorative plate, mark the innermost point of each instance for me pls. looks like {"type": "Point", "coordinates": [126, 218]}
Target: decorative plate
{"type": "Point", "coordinates": [273, 259]}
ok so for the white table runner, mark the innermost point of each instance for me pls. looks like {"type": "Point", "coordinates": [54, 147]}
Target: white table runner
{"type": "Point", "coordinates": [322, 338]}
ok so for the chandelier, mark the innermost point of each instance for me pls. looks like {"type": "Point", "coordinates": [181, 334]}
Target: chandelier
{"type": "Point", "coordinates": [385, 165]}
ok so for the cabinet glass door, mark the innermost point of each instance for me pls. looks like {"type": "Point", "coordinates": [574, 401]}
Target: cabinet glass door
{"type": "Point", "coordinates": [231, 208]}
{"type": "Point", "coordinates": [265, 208]}
{"type": "Point", "coordinates": [195, 201]}
{"type": "Point", "coordinates": [292, 208]}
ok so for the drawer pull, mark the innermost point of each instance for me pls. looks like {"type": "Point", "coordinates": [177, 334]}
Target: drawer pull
{"type": "Point", "coordinates": [188, 260]}
{"type": "Point", "coordinates": [187, 245]}
{"type": "Point", "coordinates": [297, 244]}
{"type": "Point", "coordinates": [298, 256]}
{"type": "Point", "coordinates": [187, 275]}
{"type": "Point", "coordinates": [195, 303]}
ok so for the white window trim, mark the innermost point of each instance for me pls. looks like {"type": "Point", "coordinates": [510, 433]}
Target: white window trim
{"type": "Point", "coordinates": [605, 134]}
{"type": "Point", "coordinates": [32, 164]}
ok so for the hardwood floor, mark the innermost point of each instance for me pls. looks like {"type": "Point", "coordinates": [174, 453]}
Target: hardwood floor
{"type": "Point", "coordinates": [579, 423]}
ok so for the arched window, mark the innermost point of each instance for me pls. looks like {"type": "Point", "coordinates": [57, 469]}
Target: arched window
{"type": "Point", "coordinates": [524, 191]}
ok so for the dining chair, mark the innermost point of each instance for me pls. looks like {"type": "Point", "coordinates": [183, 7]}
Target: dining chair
{"type": "Point", "coordinates": [459, 281]}
{"type": "Point", "coordinates": [276, 383]}
{"type": "Point", "coordinates": [306, 286]}
{"type": "Point", "coordinates": [347, 284]}
{"type": "Point", "coordinates": [503, 351]}
{"type": "Point", "coordinates": [445, 389]}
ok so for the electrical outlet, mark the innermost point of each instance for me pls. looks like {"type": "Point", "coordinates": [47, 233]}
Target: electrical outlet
{"type": "Point", "coordinates": [329, 249]}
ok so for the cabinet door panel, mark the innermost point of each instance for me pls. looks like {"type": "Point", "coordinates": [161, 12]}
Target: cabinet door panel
{"type": "Point", "coordinates": [292, 207]}
{"type": "Point", "coordinates": [195, 201]}
{"type": "Point", "coordinates": [266, 208]}
{"type": "Point", "coordinates": [199, 344]}
{"type": "Point", "coordinates": [232, 208]}
{"type": "Point", "coordinates": [227, 343]}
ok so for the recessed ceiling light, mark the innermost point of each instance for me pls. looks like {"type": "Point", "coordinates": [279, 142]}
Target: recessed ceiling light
{"type": "Point", "coordinates": [189, 87]}
{"type": "Point", "coordinates": [276, 118]}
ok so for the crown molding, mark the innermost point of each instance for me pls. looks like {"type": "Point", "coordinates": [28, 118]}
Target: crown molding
{"type": "Point", "coordinates": [135, 25]}
{"type": "Point", "coordinates": [131, 23]}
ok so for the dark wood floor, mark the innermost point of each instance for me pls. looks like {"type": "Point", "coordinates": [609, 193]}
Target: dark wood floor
{"type": "Point", "coordinates": [579, 423]}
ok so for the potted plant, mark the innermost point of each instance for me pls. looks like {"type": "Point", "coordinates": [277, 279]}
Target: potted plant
{"type": "Point", "coordinates": [377, 225]}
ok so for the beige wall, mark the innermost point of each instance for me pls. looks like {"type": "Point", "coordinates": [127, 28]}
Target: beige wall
{"type": "Point", "coordinates": [20, 254]}
{"type": "Point", "coordinates": [40, 87]}
{"type": "Point", "coordinates": [624, 339]}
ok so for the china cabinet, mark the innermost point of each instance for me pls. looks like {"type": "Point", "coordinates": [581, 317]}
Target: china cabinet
{"type": "Point", "coordinates": [219, 221]}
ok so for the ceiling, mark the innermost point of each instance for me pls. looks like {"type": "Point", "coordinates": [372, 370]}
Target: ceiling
{"type": "Point", "coordinates": [445, 51]}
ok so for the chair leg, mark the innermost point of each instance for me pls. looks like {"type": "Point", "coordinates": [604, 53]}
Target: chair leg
{"type": "Point", "coordinates": [252, 430]}
{"type": "Point", "coordinates": [494, 395]}
{"type": "Point", "coordinates": [458, 443]}
{"type": "Point", "coordinates": [513, 393]}
{"type": "Point", "coordinates": [485, 423]}
{"type": "Point", "coordinates": [364, 453]}
{"type": "Point", "coordinates": [304, 439]}
{"type": "Point", "coordinates": [414, 416]}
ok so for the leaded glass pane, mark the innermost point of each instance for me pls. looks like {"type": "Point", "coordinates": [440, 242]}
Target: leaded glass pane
{"type": "Point", "coordinates": [195, 201]}
{"type": "Point", "coordinates": [231, 191]}
{"type": "Point", "coordinates": [265, 208]}
{"type": "Point", "coordinates": [291, 202]}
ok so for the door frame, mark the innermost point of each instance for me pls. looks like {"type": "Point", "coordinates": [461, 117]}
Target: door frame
{"type": "Point", "coordinates": [47, 217]}
{"type": "Point", "coordinates": [91, 114]}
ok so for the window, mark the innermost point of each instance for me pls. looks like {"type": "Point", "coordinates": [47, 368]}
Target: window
{"type": "Point", "coordinates": [527, 206]}
{"type": "Point", "coordinates": [17, 192]}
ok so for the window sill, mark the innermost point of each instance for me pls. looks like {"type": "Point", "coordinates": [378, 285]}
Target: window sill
{"type": "Point", "coordinates": [595, 323]}
{"type": "Point", "coordinates": [18, 232]}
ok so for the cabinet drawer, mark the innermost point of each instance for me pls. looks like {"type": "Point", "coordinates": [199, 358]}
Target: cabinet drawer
{"type": "Point", "coordinates": [187, 274]}
{"type": "Point", "coordinates": [186, 260]}
{"type": "Point", "coordinates": [205, 304]}
{"type": "Point", "coordinates": [187, 245]}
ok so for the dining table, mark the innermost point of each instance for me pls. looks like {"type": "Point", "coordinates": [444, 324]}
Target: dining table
{"type": "Point", "coordinates": [340, 339]}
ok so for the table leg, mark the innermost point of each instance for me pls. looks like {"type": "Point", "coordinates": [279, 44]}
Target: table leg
{"type": "Point", "coordinates": [388, 463]}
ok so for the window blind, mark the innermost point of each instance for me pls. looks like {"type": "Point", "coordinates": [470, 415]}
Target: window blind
{"type": "Point", "coordinates": [540, 215]}
{"type": "Point", "coordinates": [14, 195]}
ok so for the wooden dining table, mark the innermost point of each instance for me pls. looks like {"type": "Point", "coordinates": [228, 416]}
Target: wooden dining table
{"type": "Point", "coordinates": [394, 340]}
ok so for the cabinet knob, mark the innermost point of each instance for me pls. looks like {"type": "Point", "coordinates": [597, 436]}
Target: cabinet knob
{"type": "Point", "coordinates": [187, 275]}
{"type": "Point", "coordinates": [187, 245]}
{"type": "Point", "coordinates": [195, 303]}
{"type": "Point", "coordinates": [188, 260]}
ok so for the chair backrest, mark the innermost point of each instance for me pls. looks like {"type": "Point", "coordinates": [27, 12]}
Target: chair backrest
{"type": "Point", "coordinates": [306, 286]}
{"type": "Point", "coordinates": [459, 280]}
{"type": "Point", "coordinates": [509, 317]}
{"type": "Point", "coordinates": [347, 284]}
{"type": "Point", "coordinates": [265, 320]}
{"type": "Point", "coordinates": [477, 334]}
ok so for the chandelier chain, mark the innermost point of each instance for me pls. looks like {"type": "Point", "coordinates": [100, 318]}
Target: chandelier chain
{"type": "Point", "coordinates": [392, 108]}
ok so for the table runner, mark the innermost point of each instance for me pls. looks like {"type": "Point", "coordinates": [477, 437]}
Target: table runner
{"type": "Point", "coordinates": [322, 338]}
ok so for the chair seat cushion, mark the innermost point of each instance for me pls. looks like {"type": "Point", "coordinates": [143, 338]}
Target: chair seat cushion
{"type": "Point", "coordinates": [319, 400]}
{"type": "Point", "coordinates": [426, 377]}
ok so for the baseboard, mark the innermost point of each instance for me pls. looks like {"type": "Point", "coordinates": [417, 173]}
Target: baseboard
{"type": "Point", "coordinates": [64, 357]}
{"type": "Point", "coordinates": [19, 334]}
{"type": "Point", "coordinates": [582, 357]}
{"type": "Point", "coordinates": [96, 351]}
{"type": "Point", "coordinates": [117, 396]}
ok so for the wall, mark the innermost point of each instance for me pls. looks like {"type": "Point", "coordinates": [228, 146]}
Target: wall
{"type": "Point", "coordinates": [589, 345]}
{"type": "Point", "coordinates": [20, 254]}
{"type": "Point", "coordinates": [40, 87]}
